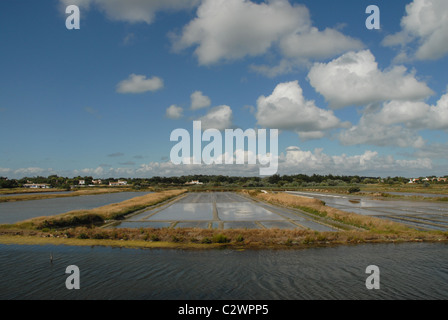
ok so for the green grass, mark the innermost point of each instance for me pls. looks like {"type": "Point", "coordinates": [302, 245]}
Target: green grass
{"type": "Point", "coordinates": [220, 238]}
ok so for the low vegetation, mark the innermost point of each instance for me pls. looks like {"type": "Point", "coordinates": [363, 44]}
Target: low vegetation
{"type": "Point", "coordinates": [82, 228]}
{"type": "Point", "coordinates": [209, 239]}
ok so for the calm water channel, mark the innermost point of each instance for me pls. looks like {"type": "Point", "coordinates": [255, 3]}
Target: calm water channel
{"type": "Point", "coordinates": [407, 271]}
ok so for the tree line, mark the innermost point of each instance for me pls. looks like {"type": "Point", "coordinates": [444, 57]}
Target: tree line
{"type": "Point", "coordinates": [276, 180]}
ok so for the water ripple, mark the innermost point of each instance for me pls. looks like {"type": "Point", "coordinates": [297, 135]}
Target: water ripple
{"type": "Point", "coordinates": [408, 271]}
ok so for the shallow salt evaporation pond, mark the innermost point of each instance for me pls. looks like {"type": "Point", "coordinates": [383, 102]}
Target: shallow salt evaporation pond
{"type": "Point", "coordinates": [12, 212]}
{"type": "Point", "coordinates": [221, 210]}
{"type": "Point", "coordinates": [422, 215]}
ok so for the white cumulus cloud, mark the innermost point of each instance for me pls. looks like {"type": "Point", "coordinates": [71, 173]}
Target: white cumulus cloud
{"type": "Point", "coordinates": [315, 44]}
{"type": "Point", "coordinates": [355, 79]}
{"type": "Point", "coordinates": [139, 84]}
{"type": "Point", "coordinates": [367, 132]}
{"type": "Point", "coordinates": [233, 29]}
{"type": "Point", "coordinates": [415, 114]}
{"type": "Point", "coordinates": [396, 123]}
{"type": "Point", "coordinates": [174, 112]}
{"type": "Point", "coordinates": [368, 163]}
{"type": "Point", "coordinates": [199, 101]}
{"type": "Point", "coordinates": [219, 117]}
{"type": "Point", "coordinates": [425, 27]}
{"type": "Point", "coordinates": [286, 108]}
{"type": "Point", "coordinates": [227, 30]}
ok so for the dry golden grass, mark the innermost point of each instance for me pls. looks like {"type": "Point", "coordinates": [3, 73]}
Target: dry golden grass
{"type": "Point", "coordinates": [25, 190]}
{"type": "Point", "coordinates": [209, 239]}
{"type": "Point", "coordinates": [439, 188]}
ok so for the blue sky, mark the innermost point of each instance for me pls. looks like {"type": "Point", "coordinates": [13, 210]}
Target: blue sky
{"type": "Point", "coordinates": [103, 100]}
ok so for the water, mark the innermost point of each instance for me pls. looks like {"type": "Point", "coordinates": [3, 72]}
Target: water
{"type": "Point", "coordinates": [422, 215]}
{"type": "Point", "coordinates": [12, 212]}
{"type": "Point", "coordinates": [244, 211]}
{"type": "Point", "coordinates": [184, 211]}
{"type": "Point", "coordinates": [407, 271]}
{"type": "Point", "coordinates": [221, 210]}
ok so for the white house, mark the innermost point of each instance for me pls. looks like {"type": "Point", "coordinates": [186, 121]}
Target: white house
{"type": "Point", "coordinates": [37, 185]}
{"type": "Point", "coordinates": [118, 183]}
{"type": "Point", "coordinates": [194, 182]}
{"type": "Point", "coordinates": [439, 179]}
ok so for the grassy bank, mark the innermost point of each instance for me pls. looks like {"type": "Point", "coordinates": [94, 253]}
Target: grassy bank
{"type": "Point", "coordinates": [66, 229]}
{"type": "Point", "coordinates": [193, 238]}
{"type": "Point", "coordinates": [441, 188]}
{"type": "Point", "coordinates": [12, 191]}
{"type": "Point", "coordinates": [413, 197]}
